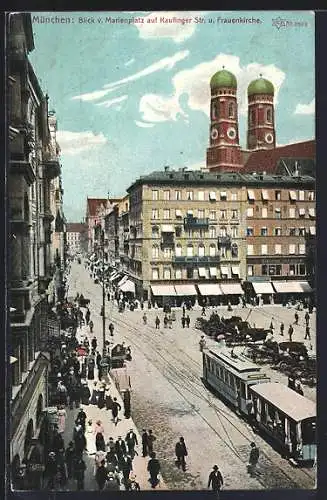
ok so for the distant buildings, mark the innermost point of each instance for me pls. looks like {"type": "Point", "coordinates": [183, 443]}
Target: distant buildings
{"type": "Point", "coordinates": [76, 237]}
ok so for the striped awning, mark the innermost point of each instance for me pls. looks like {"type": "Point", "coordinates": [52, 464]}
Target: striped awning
{"type": "Point", "coordinates": [209, 289]}
{"type": "Point", "coordinates": [292, 287]}
{"type": "Point", "coordinates": [185, 290]}
{"type": "Point", "coordinates": [263, 287]}
{"type": "Point", "coordinates": [125, 278]}
{"type": "Point", "coordinates": [128, 286]}
{"type": "Point", "coordinates": [163, 290]}
{"type": "Point", "coordinates": [231, 289]}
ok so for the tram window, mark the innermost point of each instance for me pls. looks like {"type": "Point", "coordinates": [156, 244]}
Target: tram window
{"type": "Point", "coordinates": [271, 413]}
{"type": "Point", "coordinates": [226, 376]}
{"type": "Point", "coordinates": [243, 390]}
{"type": "Point", "coordinates": [263, 411]}
{"type": "Point", "coordinates": [232, 380]}
{"type": "Point", "coordinates": [308, 431]}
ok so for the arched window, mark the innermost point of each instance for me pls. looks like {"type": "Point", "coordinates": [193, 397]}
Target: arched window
{"type": "Point", "coordinates": [252, 117]}
{"type": "Point", "coordinates": [214, 111]}
{"type": "Point", "coordinates": [234, 250]}
{"type": "Point", "coordinates": [178, 250]}
{"type": "Point", "coordinates": [269, 115]}
{"type": "Point", "coordinates": [201, 250]}
{"type": "Point", "coordinates": [231, 110]}
{"type": "Point", "coordinates": [212, 250]}
{"type": "Point", "coordinates": [189, 250]}
{"type": "Point", "coordinates": [155, 252]}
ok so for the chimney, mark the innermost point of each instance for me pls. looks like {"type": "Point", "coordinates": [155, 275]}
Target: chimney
{"type": "Point", "coordinates": [166, 168]}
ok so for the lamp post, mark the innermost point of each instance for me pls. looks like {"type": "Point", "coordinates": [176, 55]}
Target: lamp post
{"type": "Point", "coordinates": [105, 363]}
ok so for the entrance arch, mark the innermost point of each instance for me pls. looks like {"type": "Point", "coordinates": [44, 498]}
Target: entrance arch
{"type": "Point", "coordinates": [28, 437]}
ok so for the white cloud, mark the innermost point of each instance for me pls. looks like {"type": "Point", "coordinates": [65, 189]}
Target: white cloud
{"type": "Point", "coordinates": [91, 96]}
{"type": "Point", "coordinates": [305, 109]}
{"type": "Point", "coordinates": [177, 31]}
{"type": "Point", "coordinates": [73, 143]}
{"type": "Point", "coordinates": [111, 102]}
{"type": "Point", "coordinates": [195, 83]}
{"type": "Point", "coordinates": [143, 124]}
{"type": "Point", "coordinates": [129, 62]}
{"type": "Point", "coordinates": [156, 108]}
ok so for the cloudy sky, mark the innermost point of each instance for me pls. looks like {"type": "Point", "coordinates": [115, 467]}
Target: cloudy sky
{"type": "Point", "coordinates": [132, 98]}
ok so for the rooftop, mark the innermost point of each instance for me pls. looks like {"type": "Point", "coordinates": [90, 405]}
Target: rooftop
{"type": "Point", "coordinates": [75, 227]}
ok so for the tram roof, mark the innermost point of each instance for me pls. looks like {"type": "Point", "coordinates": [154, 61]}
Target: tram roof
{"type": "Point", "coordinates": [239, 362]}
{"type": "Point", "coordinates": [288, 401]}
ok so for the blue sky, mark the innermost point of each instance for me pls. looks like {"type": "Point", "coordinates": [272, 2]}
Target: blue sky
{"type": "Point", "coordinates": [131, 98]}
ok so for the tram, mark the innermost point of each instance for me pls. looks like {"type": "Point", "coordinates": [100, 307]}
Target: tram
{"type": "Point", "coordinates": [231, 375]}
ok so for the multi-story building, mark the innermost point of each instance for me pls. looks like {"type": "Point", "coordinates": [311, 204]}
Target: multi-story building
{"type": "Point", "coordinates": [93, 218]}
{"type": "Point", "coordinates": [32, 166]}
{"type": "Point", "coordinates": [74, 233]}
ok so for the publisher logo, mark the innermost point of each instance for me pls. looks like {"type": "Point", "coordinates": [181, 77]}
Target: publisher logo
{"type": "Point", "coordinates": [279, 23]}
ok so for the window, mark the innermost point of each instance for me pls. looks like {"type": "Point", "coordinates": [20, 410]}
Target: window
{"type": "Point", "coordinates": [167, 195]}
{"type": "Point", "coordinates": [223, 252]}
{"type": "Point", "coordinates": [190, 272]}
{"type": "Point", "coordinates": [155, 232]}
{"type": "Point", "coordinates": [249, 212]}
{"type": "Point", "coordinates": [214, 111]}
{"type": "Point", "coordinates": [301, 231]}
{"type": "Point", "coordinates": [278, 195]}
{"type": "Point", "coordinates": [201, 195]}
{"type": "Point", "coordinates": [167, 273]}
{"type": "Point", "coordinates": [212, 214]}
{"type": "Point", "coordinates": [223, 214]}
{"type": "Point", "coordinates": [264, 212]}
{"type": "Point", "coordinates": [212, 196]}
{"type": "Point", "coordinates": [166, 213]}
{"type": "Point", "coordinates": [178, 195]}
{"type": "Point", "coordinates": [178, 274]}
{"type": "Point", "coordinates": [249, 231]}
{"type": "Point", "coordinates": [301, 269]}
{"type": "Point", "coordinates": [291, 249]}
{"type": "Point", "coordinates": [252, 117]}
{"type": "Point", "coordinates": [223, 231]}
{"type": "Point", "coordinates": [201, 213]}
{"type": "Point", "coordinates": [264, 249]}
{"type": "Point", "coordinates": [264, 195]}
{"type": "Point", "coordinates": [292, 231]}
{"type": "Point", "coordinates": [292, 195]}
{"type": "Point", "coordinates": [189, 251]}
{"type": "Point", "coordinates": [167, 253]}
{"type": "Point", "coordinates": [301, 195]}
{"type": "Point", "coordinates": [234, 250]}
{"type": "Point", "coordinates": [264, 270]}
{"type": "Point", "coordinates": [231, 110]}
{"type": "Point", "coordinates": [292, 269]}
{"type": "Point", "coordinates": [178, 250]}
{"type": "Point", "coordinates": [155, 213]}
{"type": "Point", "coordinates": [292, 213]}
{"type": "Point", "coordinates": [301, 248]}
{"type": "Point", "coordinates": [155, 273]}
{"type": "Point", "coordinates": [264, 231]}
{"type": "Point", "coordinates": [189, 195]}
{"type": "Point", "coordinates": [302, 212]}
{"type": "Point", "coordinates": [212, 232]}
{"type": "Point", "coordinates": [234, 231]}
{"type": "Point", "coordinates": [277, 213]}
{"type": "Point", "coordinates": [269, 115]}
{"type": "Point", "coordinates": [278, 249]}
{"type": "Point", "coordinates": [178, 214]}
{"type": "Point", "coordinates": [277, 231]}
{"type": "Point", "coordinates": [201, 251]}
{"type": "Point", "coordinates": [212, 250]}
{"type": "Point", "coordinates": [155, 252]}
{"type": "Point", "coordinates": [250, 250]}
{"type": "Point", "coordinates": [223, 195]}
{"type": "Point", "coordinates": [234, 196]}
{"type": "Point", "coordinates": [311, 195]}
{"type": "Point", "coordinates": [234, 214]}
{"type": "Point", "coordinates": [312, 212]}
{"type": "Point", "coordinates": [250, 270]}
{"type": "Point", "coordinates": [251, 196]}
{"type": "Point", "coordinates": [155, 195]}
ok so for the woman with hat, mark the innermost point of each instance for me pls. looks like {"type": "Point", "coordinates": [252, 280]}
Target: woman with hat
{"type": "Point", "coordinates": [85, 393]}
{"type": "Point", "coordinates": [61, 418]}
{"type": "Point", "coordinates": [101, 401]}
{"type": "Point", "coordinates": [95, 394]}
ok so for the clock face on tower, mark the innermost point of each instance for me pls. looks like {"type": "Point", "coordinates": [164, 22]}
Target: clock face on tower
{"type": "Point", "coordinates": [231, 132]}
{"type": "Point", "coordinates": [214, 133]}
{"type": "Point", "coordinates": [269, 138]}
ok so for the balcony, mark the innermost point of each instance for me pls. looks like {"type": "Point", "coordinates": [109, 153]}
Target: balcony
{"type": "Point", "coordinates": [224, 241]}
{"type": "Point", "coordinates": [212, 259]}
{"type": "Point", "coordinates": [24, 168]}
{"type": "Point", "coordinates": [195, 222]}
{"type": "Point", "coordinates": [52, 167]}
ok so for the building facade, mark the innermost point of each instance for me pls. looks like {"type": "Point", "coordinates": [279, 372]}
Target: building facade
{"type": "Point", "coordinates": [75, 234]}
{"type": "Point", "coordinates": [33, 164]}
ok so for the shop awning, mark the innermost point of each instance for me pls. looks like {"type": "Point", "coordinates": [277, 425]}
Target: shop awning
{"type": "Point", "coordinates": [293, 195]}
{"type": "Point", "coordinates": [115, 276]}
{"type": "Point", "coordinates": [251, 194]}
{"type": "Point", "coordinates": [185, 290]}
{"type": "Point", "coordinates": [292, 287]}
{"type": "Point", "coordinates": [167, 228]}
{"type": "Point", "coordinates": [163, 290]}
{"type": "Point", "coordinates": [231, 289]}
{"type": "Point", "coordinates": [265, 195]}
{"type": "Point", "coordinates": [202, 272]}
{"type": "Point", "coordinates": [263, 287]}
{"type": "Point", "coordinates": [236, 270]}
{"type": "Point", "coordinates": [122, 281]}
{"type": "Point", "coordinates": [224, 270]}
{"type": "Point", "coordinates": [128, 286]}
{"type": "Point", "coordinates": [213, 271]}
{"type": "Point", "coordinates": [210, 289]}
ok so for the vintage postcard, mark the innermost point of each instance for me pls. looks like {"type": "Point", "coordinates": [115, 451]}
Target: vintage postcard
{"type": "Point", "coordinates": [162, 241]}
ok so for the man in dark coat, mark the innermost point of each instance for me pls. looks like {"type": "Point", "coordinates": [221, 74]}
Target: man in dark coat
{"type": "Point", "coordinates": [58, 442]}
{"type": "Point", "coordinates": [153, 469]}
{"type": "Point", "coordinates": [114, 410]}
{"type": "Point", "coordinates": [87, 316]}
{"type": "Point", "coordinates": [181, 453]}
{"type": "Point", "coordinates": [69, 458]}
{"type": "Point", "coordinates": [120, 448]}
{"type": "Point", "coordinates": [126, 467]}
{"type": "Point", "coordinates": [290, 332]}
{"type": "Point", "coordinates": [253, 459]}
{"type": "Point", "coordinates": [307, 332]}
{"type": "Point", "coordinates": [90, 368]}
{"type": "Point", "coordinates": [85, 393]}
{"type": "Point", "coordinates": [127, 404]}
{"type": "Point", "coordinates": [80, 441]}
{"type": "Point", "coordinates": [51, 470]}
{"type": "Point", "coordinates": [151, 440]}
{"type": "Point", "coordinates": [79, 472]}
{"type": "Point", "coordinates": [100, 442]}
{"type": "Point", "coordinates": [215, 479]}
{"type": "Point", "coordinates": [94, 343]}
{"type": "Point", "coordinates": [157, 322]}
{"type": "Point", "coordinates": [131, 441]}
{"type": "Point", "coordinates": [188, 321]}
{"type": "Point", "coordinates": [101, 475]}
{"type": "Point", "coordinates": [81, 419]}
{"type": "Point", "coordinates": [307, 318]}
{"type": "Point", "coordinates": [183, 321]}
{"type": "Point", "coordinates": [145, 443]}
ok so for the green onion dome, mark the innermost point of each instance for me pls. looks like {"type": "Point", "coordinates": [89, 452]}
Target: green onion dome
{"type": "Point", "coordinates": [223, 78]}
{"type": "Point", "coordinates": [261, 86]}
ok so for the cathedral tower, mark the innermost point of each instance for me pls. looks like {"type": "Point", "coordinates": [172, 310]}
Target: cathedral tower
{"type": "Point", "coordinates": [261, 128]}
{"type": "Point", "coordinates": [223, 154]}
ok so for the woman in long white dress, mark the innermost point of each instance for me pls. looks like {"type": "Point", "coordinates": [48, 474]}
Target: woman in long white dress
{"type": "Point", "coordinates": [90, 438]}
{"type": "Point", "coordinates": [61, 419]}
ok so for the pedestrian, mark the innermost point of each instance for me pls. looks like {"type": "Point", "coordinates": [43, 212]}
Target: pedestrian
{"type": "Point", "coordinates": [115, 409]}
{"type": "Point", "coordinates": [61, 419]}
{"type": "Point", "coordinates": [79, 440]}
{"type": "Point", "coordinates": [131, 441]}
{"type": "Point", "coordinates": [127, 404]}
{"type": "Point", "coordinates": [81, 419]}
{"type": "Point", "coordinates": [108, 398]}
{"type": "Point", "coordinates": [188, 321]}
{"type": "Point", "coordinates": [153, 469]}
{"type": "Point", "coordinates": [51, 470]}
{"type": "Point", "coordinates": [145, 443]}
{"type": "Point", "coordinates": [85, 393]}
{"type": "Point", "coordinates": [126, 467]}
{"type": "Point", "coordinates": [113, 482]}
{"type": "Point", "coordinates": [215, 479]}
{"type": "Point", "coordinates": [296, 318]}
{"type": "Point", "coordinates": [94, 343]}
{"type": "Point", "coordinates": [101, 400]}
{"type": "Point", "coordinates": [69, 458]}
{"type": "Point", "coordinates": [282, 327]}
{"type": "Point", "coordinates": [203, 313]}
{"type": "Point", "coordinates": [120, 448]}
{"type": "Point", "coordinates": [253, 459]}
{"type": "Point", "coordinates": [100, 442]}
{"type": "Point", "coordinates": [91, 325]}
{"type": "Point", "coordinates": [307, 332]}
{"type": "Point", "coordinates": [307, 318]}
{"type": "Point", "coordinates": [57, 442]}
{"type": "Point", "coordinates": [183, 309]}
{"type": "Point", "coordinates": [79, 472]}
{"type": "Point", "coordinates": [101, 475]}
{"type": "Point", "coordinates": [87, 316]}
{"type": "Point", "coordinates": [271, 327]}
{"type": "Point", "coordinates": [170, 321]}
{"type": "Point", "coordinates": [290, 332]}
{"type": "Point", "coordinates": [90, 368]}
{"type": "Point", "coordinates": [165, 321]}
{"type": "Point", "coordinates": [133, 485]}
{"type": "Point", "coordinates": [291, 383]}
{"type": "Point", "coordinates": [157, 322]}
{"type": "Point", "coordinates": [183, 320]}
{"type": "Point", "coordinates": [181, 453]}
{"type": "Point", "coordinates": [151, 440]}
{"type": "Point", "coordinates": [95, 394]}
{"type": "Point", "coordinates": [98, 359]}
{"type": "Point", "coordinates": [298, 389]}
{"type": "Point", "coordinates": [111, 329]}
{"type": "Point", "coordinates": [61, 468]}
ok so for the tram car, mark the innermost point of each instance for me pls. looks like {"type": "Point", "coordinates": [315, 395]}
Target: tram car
{"type": "Point", "coordinates": [288, 418]}
{"type": "Point", "coordinates": [118, 356]}
{"type": "Point", "coordinates": [230, 376]}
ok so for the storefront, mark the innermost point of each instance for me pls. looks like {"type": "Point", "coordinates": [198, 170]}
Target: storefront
{"type": "Point", "coordinates": [185, 293]}
{"type": "Point", "coordinates": [264, 292]}
{"type": "Point", "coordinates": [162, 295]}
{"type": "Point", "coordinates": [231, 292]}
{"type": "Point", "coordinates": [291, 291]}
{"type": "Point", "coordinates": [209, 294]}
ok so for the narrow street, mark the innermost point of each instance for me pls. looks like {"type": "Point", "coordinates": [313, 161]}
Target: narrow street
{"type": "Point", "coordinates": [168, 396]}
